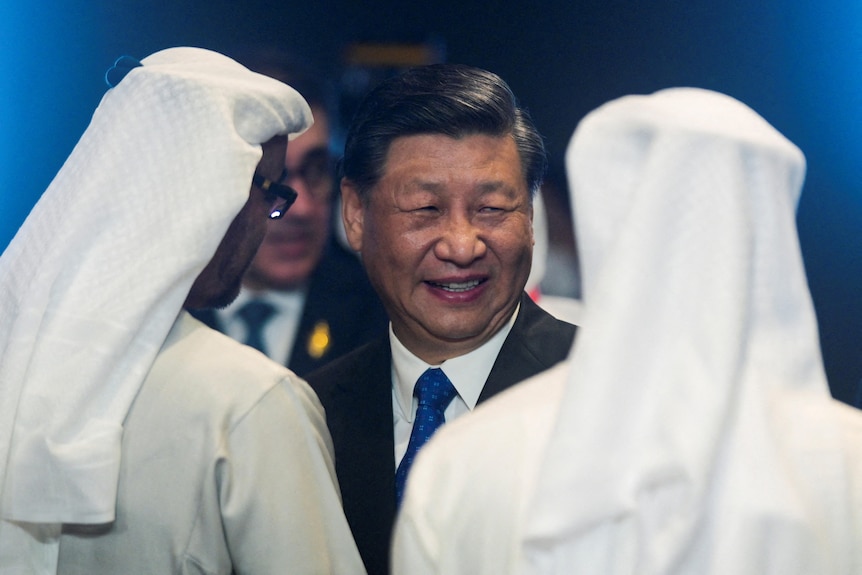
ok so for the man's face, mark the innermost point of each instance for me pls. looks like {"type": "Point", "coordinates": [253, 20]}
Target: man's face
{"type": "Point", "coordinates": [219, 282]}
{"type": "Point", "coordinates": [294, 244]}
{"type": "Point", "coordinates": [446, 238]}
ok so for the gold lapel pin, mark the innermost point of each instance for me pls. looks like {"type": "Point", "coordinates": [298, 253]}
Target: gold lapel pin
{"type": "Point", "coordinates": [319, 340]}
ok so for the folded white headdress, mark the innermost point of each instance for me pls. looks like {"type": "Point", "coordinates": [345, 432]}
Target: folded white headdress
{"type": "Point", "coordinates": [92, 282]}
{"type": "Point", "coordinates": [697, 434]}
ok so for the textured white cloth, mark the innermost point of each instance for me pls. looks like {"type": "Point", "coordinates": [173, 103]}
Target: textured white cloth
{"type": "Point", "coordinates": [95, 277]}
{"type": "Point", "coordinates": [227, 468]}
{"type": "Point", "coordinates": [695, 433]}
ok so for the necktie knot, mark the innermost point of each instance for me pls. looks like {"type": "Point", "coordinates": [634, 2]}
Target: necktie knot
{"type": "Point", "coordinates": [434, 390]}
{"type": "Point", "coordinates": [255, 314]}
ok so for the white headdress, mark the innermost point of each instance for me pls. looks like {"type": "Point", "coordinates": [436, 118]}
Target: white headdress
{"type": "Point", "coordinates": [697, 434]}
{"type": "Point", "coordinates": [92, 282]}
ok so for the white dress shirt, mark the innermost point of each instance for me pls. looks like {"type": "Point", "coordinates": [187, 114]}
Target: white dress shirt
{"type": "Point", "coordinates": [467, 373]}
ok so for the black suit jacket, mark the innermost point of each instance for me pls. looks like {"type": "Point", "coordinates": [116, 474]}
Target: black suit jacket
{"type": "Point", "coordinates": [356, 392]}
{"type": "Point", "coordinates": [340, 295]}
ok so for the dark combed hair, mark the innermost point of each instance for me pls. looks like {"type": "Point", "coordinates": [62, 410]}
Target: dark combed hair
{"type": "Point", "coordinates": [447, 99]}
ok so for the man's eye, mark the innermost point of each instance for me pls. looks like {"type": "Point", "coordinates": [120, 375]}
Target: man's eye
{"type": "Point", "coordinates": [316, 170]}
{"type": "Point", "coordinates": [315, 167]}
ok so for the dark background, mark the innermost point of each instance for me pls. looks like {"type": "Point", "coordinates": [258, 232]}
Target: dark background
{"type": "Point", "coordinates": [797, 63]}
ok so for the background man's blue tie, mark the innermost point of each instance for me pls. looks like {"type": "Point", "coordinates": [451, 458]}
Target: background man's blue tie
{"type": "Point", "coordinates": [435, 392]}
{"type": "Point", "coordinates": [255, 314]}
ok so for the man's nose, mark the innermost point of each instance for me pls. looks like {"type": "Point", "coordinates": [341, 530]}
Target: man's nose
{"type": "Point", "coordinates": [461, 242]}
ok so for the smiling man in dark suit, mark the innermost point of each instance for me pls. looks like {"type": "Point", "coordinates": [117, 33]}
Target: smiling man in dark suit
{"type": "Point", "coordinates": [439, 171]}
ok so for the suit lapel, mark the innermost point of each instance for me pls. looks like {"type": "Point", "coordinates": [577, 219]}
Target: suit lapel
{"type": "Point", "coordinates": [536, 342]}
{"type": "Point", "coordinates": [365, 446]}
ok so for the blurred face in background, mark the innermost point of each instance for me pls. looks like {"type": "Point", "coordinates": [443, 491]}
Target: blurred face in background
{"type": "Point", "coordinates": [294, 244]}
{"type": "Point", "coordinates": [219, 282]}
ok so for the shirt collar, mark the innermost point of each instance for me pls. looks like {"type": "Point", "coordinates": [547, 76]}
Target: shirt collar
{"type": "Point", "coordinates": [468, 372]}
{"type": "Point", "coordinates": [286, 302]}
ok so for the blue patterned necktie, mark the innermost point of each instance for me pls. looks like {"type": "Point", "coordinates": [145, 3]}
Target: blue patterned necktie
{"type": "Point", "coordinates": [435, 392]}
{"type": "Point", "coordinates": [255, 314]}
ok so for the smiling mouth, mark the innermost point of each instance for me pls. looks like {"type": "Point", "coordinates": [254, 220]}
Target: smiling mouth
{"type": "Point", "coordinates": [456, 286]}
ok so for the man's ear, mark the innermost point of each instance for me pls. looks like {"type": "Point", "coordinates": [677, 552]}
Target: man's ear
{"type": "Point", "coordinates": [352, 213]}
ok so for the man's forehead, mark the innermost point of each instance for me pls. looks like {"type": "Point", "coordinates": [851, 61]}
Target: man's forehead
{"type": "Point", "coordinates": [430, 159]}
{"type": "Point", "coordinates": [419, 144]}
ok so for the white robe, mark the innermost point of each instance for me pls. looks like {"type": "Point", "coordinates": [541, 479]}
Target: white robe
{"type": "Point", "coordinates": [442, 530]}
{"type": "Point", "coordinates": [227, 467]}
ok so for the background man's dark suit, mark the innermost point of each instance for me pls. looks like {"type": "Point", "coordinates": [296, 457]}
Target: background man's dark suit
{"type": "Point", "coordinates": [356, 392]}
{"type": "Point", "coordinates": [340, 295]}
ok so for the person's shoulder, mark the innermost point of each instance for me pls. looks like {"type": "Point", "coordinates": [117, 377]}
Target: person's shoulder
{"type": "Point", "coordinates": [203, 376]}
{"type": "Point", "coordinates": [471, 459]}
{"type": "Point", "coordinates": [547, 338]}
{"type": "Point", "coordinates": [534, 315]}
{"type": "Point", "coordinates": [520, 418]}
{"type": "Point", "coordinates": [517, 409]}
{"type": "Point", "coordinates": [200, 358]}
{"type": "Point", "coordinates": [354, 364]}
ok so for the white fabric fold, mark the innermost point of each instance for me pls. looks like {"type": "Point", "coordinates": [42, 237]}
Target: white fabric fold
{"type": "Point", "coordinates": [93, 280]}
{"type": "Point", "coordinates": [697, 434]}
